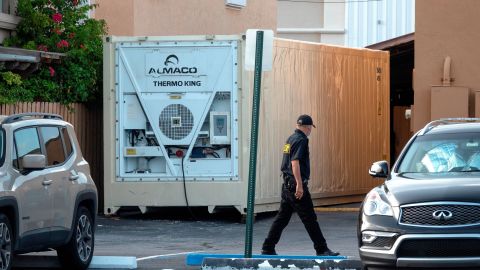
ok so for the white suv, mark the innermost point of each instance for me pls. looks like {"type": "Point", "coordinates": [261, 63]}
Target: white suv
{"type": "Point", "coordinates": [47, 196]}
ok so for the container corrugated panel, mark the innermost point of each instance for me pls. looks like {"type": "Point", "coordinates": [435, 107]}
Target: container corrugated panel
{"type": "Point", "coordinates": [347, 93]}
{"type": "Point", "coordinates": [370, 22]}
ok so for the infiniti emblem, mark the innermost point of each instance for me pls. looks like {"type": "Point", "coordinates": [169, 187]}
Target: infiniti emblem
{"type": "Point", "coordinates": [442, 215]}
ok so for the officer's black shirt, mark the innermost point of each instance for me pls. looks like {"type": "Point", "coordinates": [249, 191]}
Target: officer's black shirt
{"type": "Point", "coordinates": [296, 148]}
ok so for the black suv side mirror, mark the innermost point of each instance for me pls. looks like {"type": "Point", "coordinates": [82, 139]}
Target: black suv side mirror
{"type": "Point", "coordinates": [379, 169]}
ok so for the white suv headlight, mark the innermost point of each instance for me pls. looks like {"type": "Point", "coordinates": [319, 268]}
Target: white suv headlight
{"type": "Point", "coordinates": [374, 205]}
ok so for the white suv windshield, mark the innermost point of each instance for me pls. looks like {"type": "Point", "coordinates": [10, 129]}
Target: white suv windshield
{"type": "Point", "coordinates": [441, 153]}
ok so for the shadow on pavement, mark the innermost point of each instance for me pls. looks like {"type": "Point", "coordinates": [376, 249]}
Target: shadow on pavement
{"type": "Point", "coordinates": [227, 214]}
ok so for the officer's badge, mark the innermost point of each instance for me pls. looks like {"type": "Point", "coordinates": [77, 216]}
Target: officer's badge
{"type": "Point", "coordinates": [286, 148]}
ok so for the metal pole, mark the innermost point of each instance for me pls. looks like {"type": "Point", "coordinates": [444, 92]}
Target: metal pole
{"type": "Point", "coordinates": [253, 143]}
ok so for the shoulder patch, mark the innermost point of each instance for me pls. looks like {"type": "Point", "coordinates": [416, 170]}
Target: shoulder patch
{"type": "Point", "coordinates": [286, 148]}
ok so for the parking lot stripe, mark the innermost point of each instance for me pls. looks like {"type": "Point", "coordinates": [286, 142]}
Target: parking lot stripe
{"type": "Point", "coordinates": [166, 255]}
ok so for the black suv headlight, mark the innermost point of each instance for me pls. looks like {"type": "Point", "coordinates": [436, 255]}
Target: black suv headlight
{"type": "Point", "coordinates": [375, 205]}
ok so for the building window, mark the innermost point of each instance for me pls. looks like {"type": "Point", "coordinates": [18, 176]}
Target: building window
{"type": "Point", "coordinates": [236, 3]}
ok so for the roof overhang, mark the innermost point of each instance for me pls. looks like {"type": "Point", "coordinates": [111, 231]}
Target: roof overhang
{"type": "Point", "coordinates": [387, 44]}
{"type": "Point", "coordinates": [397, 46]}
{"type": "Point", "coordinates": [26, 61]}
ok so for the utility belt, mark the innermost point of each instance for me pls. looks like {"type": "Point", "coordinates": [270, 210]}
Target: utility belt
{"type": "Point", "coordinates": [290, 183]}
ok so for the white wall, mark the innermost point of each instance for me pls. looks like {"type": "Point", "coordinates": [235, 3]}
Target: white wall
{"type": "Point", "coordinates": [370, 22]}
{"type": "Point", "coordinates": [351, 23]}
{"type": "Point", "coordinates": [313, 21]}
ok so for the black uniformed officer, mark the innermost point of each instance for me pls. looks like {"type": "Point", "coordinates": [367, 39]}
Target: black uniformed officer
{"type": "Point", "coordinates": [295, 195]}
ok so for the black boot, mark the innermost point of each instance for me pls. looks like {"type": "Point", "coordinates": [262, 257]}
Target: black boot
{"type": "Point", "coordinates": [327, 252]}
{"type": "Point", "coordinates": [270, 251]}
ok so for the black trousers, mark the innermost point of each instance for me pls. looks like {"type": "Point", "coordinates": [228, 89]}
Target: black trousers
{"type": "Point", "coordinates": [304, 208]}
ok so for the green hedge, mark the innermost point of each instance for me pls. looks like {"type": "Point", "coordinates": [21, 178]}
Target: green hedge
{"type": "Point", "coordinates": [57, 26]}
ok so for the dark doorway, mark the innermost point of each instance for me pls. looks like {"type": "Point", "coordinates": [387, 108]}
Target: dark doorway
{"type": "Point", "coordinates": [401, 89]}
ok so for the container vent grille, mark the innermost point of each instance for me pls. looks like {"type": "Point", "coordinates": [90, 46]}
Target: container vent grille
{"type": "Point", "coordinates": [176, 121]}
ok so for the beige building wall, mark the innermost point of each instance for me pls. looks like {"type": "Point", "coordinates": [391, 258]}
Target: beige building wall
{"type": "Point", "coordinates": [312, 21]}
{"type": "Point", "coordinates": [119, 15]}
{"type": "Point", "coordinates": [184, 17]}
{"type": "Point", "coordinates": [444, 28]}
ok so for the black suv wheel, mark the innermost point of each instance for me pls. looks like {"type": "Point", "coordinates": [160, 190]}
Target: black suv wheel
{"type": "Point", "coordinates": [78, 252]}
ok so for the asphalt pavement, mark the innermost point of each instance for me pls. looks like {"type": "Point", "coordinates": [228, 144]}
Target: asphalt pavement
{"type": "Point", "coordinates": [162, 239]}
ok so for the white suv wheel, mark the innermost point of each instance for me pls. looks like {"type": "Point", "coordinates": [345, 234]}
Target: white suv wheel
{"type": "Point", "coordinates": [84, 238]}
{"type": "Point", "coordinates": [5, 243]}
{"type": "Point", "coordinates": [78, 252]}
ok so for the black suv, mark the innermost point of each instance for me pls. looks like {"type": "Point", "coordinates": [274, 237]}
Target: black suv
{"type": "Point", "coordinates": [427, 212]}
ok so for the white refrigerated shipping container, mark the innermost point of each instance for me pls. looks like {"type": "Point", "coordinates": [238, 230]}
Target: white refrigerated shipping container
{"type": "Point", "coordinates": [177, 113]}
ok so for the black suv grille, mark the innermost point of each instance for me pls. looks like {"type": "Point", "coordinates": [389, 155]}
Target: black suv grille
{"type": "Point", "coordinates": [422, 215]}
{"type": "Point", "coordinates": [439, 248]}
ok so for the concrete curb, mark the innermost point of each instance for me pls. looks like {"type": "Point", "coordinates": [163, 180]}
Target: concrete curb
{"type": "Point", "coordinates": [279, 264]}
{"type": "Point", "coordinates": [113, 262]}
{"type": "Point", "coordinates": [194, 259]}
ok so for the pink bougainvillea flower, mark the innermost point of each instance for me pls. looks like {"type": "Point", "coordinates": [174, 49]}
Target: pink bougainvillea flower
{"type": "Point", "coordinates": [57, 17]}
{"type": "Point", "coordinates": [62, 44]}
{"type": "Point", "coordinates": [75, 2]}
{"type": "Point", "coordinates": [57, 31]}
{"type": "Point", "coordinates": [71, 35]}
{"type": "Point", "coordinates": [42, 47]}
{"type": "Point", "coordinates": [82, 46]}
{"type": "Point", "coordinates": [52, 71]}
